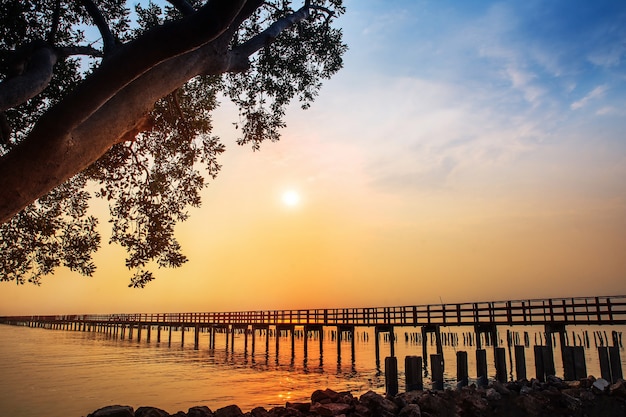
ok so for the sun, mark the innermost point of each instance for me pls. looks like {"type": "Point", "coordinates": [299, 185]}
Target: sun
{"type": "Point", "coordinates": [291, 198]}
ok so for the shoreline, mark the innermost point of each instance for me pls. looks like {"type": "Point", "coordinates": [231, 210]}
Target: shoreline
{"type": "Point", "coordinates": [589, 397]}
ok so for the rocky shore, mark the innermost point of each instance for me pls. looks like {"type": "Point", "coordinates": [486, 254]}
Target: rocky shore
{"type": "Point", "coordinates": [585, 398]}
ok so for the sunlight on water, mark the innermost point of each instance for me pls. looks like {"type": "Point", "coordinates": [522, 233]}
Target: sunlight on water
{"type": "Point", "coordinates": [70, 373]}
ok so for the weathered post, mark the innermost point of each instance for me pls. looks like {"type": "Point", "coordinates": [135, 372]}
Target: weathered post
{"type": "Point", "coordinates": [580, 365]}
{"type": "Point", "coordinates": [436, 365]}
{"type": "Point", "coordinates": [196, 337]}
{"type": "Point", "coordinates": [481, 367]}
{"type": "Point", "coordinates": [462, 374]}
{"type": "Point", "coordinates": [540, 371]}
{"type": "Point", "coordinates": [520, 362]}
{"type": "Point", "coordinates": [391, 375]}
{"type": "Point", "coordinates": [182, 335]}
{"type": "Point", "coordinates": [500, 353]}
{"type": "Point", "coordinates": [413, 373]}
{"type": "Point", "coordinates": [159, 333]}
{"type": "Point", "coordinates": [616, 364]}
{"type": "Point", "coordinates": [149, 333]}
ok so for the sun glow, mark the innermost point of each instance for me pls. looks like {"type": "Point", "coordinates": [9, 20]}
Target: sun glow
{"type": "Point", "coordinates": [291, 198]}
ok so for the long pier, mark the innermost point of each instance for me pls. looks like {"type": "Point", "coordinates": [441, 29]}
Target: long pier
{"type": "Point", "coordinates": [484, 317]}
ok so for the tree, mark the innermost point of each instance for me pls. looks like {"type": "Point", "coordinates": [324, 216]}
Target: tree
{"type": "Point", "coordinates": [127, 118]}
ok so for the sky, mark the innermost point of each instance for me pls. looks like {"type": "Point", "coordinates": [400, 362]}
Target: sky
{"type": "Point", "coordinates": [467, 151]}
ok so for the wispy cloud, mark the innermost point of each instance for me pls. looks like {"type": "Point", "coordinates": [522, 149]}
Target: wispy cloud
{"type": "Point", "coordinates": [593, 95]}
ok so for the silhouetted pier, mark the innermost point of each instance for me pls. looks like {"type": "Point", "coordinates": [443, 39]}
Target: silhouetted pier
{"type": "Point", "coordinates": [484, 318]}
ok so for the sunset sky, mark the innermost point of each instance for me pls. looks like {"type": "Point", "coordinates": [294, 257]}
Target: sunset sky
{"type": "Point", "coordinates": [468, 151]}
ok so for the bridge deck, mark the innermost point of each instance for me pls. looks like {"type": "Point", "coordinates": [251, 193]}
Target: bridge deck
{"type": "Point", "coordinates": [609, 310]}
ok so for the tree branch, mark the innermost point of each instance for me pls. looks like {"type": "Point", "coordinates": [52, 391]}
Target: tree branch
{"type": "Point", "coordinates": [66, 51]}
{"type": "Point", "coordinates": [33, 80]}
{"type": "Point", "coordinates": [56, 16]}
{"type": "Point", "coordinates": [182, 6]}
{"type": "Point", "coordinates": [54, 153]}
{"type": "Point", "coordinates": [107, 37]}
{"type": "Point", "coordinates": [243, 51]}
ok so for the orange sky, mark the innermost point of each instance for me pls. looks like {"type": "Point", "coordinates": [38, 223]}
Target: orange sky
{"type": "Point", "coordinates": [415, 186]}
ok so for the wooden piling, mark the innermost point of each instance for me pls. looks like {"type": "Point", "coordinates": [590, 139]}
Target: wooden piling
{"type": "Point", "coordinates": [500, 357]}
{"type": "Point", "coordinates": [615, 363]}
{"type": "Point", "coordinates": [520, 362]}
{"type": "Point", "coordinates": [462, 374]}
{"type": "Point", "coordinates": [481, 367]}
{"type": "Point", "coordinates": [436, 366]}
{"type": "Point", "coordinates": [391, 375]}
{"type": "Point", "coordinates": [196, 338]}
{"type": "Point", "coordinates": [413, 373]}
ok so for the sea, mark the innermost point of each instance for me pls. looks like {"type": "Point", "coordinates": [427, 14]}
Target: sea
{"type": "Point", "coordinates": [73, 373]}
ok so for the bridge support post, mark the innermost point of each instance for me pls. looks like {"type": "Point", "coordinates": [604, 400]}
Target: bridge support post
{"type": "Point", "coordinates": [481, 366]}
{"type": "Point", "coordinates": [501, 374]}
{"type": "Point", "coordinates": [413, 373]}
{"type": "Point", "coordinates": [169, 338]}
{"type": "Point", "coordinates": [196, 337]}
{"type": "Point", "coordinates": [149, 333]}
{"type": "Point", "coordinates": [182, 335]}
{"type": "Point", "coordinates": [520, 362]}
{"type": "Point", "coordinates": [436, 365]}
{"type": "Point", "coordinates": [159, 333]}
{"type": "Point", "coordinates": [391, 375]}
{"type": "Point", "coordinates": [462, 374]}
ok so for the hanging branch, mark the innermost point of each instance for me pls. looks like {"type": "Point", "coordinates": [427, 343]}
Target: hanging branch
{"type": "Point", "coordinates": [56, 16]}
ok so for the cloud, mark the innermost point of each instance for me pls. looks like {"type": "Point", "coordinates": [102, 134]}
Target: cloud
{"type": "Point", "coordinates": [594, 94]}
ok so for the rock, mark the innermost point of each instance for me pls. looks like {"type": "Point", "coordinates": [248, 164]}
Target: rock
{"type": "Point", "coordinates": [114, 411]}
{"type": "Point", "coordinates": [378, 405]}
{"type": "Point", "coordinates": [618, 389]}
{"type": "Point", "coordinates": [228, 411]}
{"type": "Point", "coordinates": [179, 414]}
{"type": "Point", "coordinates": [200, 411]}
{"type": "Point", "coordinates": [151, 412]}
{"type": "Point", "coordinates": [302, 407]}
{"type": "Point", "coordinates": [525, 390]}
{"type": "Point", "coordinates": [259, 412]}
{"type": "Point", "coordinates": [500, 388]}
{"type": "Point", "coordinates": [330, 409]}
{"type": "Point", "coordinates": [492, 395]}
{"type": "Point", "coordinates": [600, 385]}
{"type": "Point", "coordinates": [411, 410]}
{"type": "Point", "coordinates": [325, 396]}
{"type": "Point", "coordinates": [587, 396]}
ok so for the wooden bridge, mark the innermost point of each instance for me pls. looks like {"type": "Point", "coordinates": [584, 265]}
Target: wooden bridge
{"type": "Point", "coordinates": [605, 310]}
{"type": "Point", "coordinates": [553, 313]}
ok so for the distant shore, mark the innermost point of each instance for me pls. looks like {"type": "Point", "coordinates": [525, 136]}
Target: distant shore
{"type": "Point", "coordinates": [588, 397]}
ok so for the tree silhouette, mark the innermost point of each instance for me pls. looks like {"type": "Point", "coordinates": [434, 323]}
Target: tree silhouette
{"type": "Point", "coordinates": [129, 115]}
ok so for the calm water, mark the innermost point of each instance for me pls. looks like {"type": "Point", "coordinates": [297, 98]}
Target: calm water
{"type": "Point", "coordinates": [67, 373]}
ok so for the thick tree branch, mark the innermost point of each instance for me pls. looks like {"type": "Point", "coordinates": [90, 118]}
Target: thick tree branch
{"type": "Point", "coordinates": [243, 51]}
{"type": "Point", "coordinates": [34, 168]}
{"type": "Point", "coordinates": [107, 37]}
{"type": "Point", "coordinates": [66, 51]}
{"type": "Point", "coordinates": [32, 81]}
{"type": "Point", "coordinates": [182, 6]}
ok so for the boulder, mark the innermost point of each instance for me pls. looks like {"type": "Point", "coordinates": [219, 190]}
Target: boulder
{"type": "Point", "coordinates": [500, 388]}
{"type": "Point", "coordinates": [259, 412]}
{"type": "Point", "coordinates": [325, 396]}
{"type": "Point", "coordinates": [378, 405]}
{"type": "Point", "coordinates": [228, 411]}
{"type": "Point", "coordinates": [200, 411]}
{"type": "Point", "coordinates": [411, 410]}
{"type": "Point", "coordinates": [114, 411]}
{"type": "Point", "coordinates": [600, 385]}
{"type": "Point", "coordinates": [151, 412]}
{"type": "Point", "coordinates": [618, 389]}
{"type": "Point", "coordinates": [492, 395]}
{"type": "Point", "coordinates": [330, 409]}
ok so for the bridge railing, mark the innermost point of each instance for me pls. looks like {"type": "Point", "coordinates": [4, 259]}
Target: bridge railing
{"type": "Point", "coordinates": [580, 310]}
